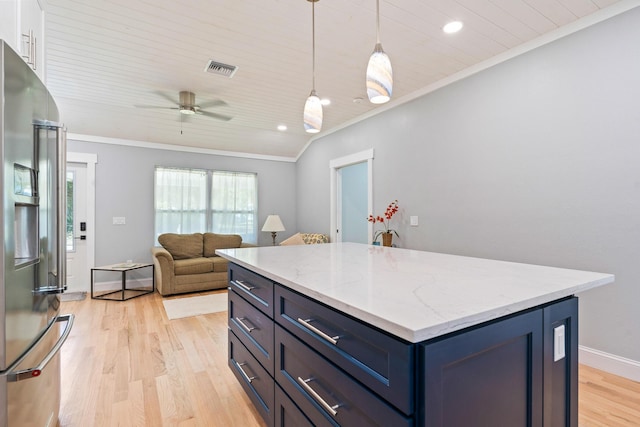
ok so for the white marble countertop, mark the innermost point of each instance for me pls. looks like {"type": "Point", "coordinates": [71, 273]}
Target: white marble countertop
{"type": "Point", "coordinates": [412, 294]}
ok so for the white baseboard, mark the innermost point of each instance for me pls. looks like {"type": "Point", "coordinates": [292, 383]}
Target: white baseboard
{"type": "Point", "coordinates": [611, 363]}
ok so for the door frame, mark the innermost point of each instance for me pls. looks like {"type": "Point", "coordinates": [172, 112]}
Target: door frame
{"type": "Point", "coordinates": [335, 204]}
{"type": "Point", "coordinates": [89, 159]}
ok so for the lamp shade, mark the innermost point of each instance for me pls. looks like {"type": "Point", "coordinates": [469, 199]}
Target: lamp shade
{"type": "Point", "coordinates": [273, 224]}
{"type": "Point", "coordinates": [379, 76]}
{"type": "Point", "coordinates": [313, 113]}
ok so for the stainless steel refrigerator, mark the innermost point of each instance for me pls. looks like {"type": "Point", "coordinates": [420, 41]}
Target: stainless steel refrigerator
{"type": "Point", "coordinates": [33, 250]}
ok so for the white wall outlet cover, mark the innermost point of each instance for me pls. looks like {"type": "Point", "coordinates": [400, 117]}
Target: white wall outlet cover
{"type": "Point", "coordinates": [119, 220]}
{"type": "Point", "coordinates": [558, 343]}
{"type": "Point", "coordinates": [413, 221]}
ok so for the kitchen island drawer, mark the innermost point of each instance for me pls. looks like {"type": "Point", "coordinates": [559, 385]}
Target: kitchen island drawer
{"type": "Point", "coordinates": [287, 414]}
{"type": "Point", "coordinates": [381, 362]}
{"type": "Point", "coordinates": [256, 289]}
{"type": "Point", "coordinates": [253, 328]}
{"type": "Point", "coordinates": [325, 394]}
{"type": "Point", "coordinates": [255, 381]}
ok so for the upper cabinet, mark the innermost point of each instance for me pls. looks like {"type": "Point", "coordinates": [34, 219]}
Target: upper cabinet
{"type": "Point", "coordinates": [22, 27]}
{"type": "Point", "coordinates": [9, 22]}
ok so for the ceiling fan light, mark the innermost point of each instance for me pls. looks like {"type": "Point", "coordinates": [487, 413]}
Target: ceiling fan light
{"type": "Point", "coordinates": [313, 113]}
{"type": "Point", "coordinates": [187, 110]}
{"type": "Point", "coordinates": [379, 77]}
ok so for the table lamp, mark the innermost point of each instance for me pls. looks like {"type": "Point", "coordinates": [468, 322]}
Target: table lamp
{"type": "Point", "coordinates": [273, 224]}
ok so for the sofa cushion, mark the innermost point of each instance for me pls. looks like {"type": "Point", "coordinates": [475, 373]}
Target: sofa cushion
{"type": "Point", "coordinates": [220, 265]}
{"type": "Point", "coordinates": [192, 266]}
{"type": "Point", "coordinates": [296, 239]}
{"type": "Point", "coordinates": [213, 241]}
{"type": "Point", "coordinates": [182, 246]}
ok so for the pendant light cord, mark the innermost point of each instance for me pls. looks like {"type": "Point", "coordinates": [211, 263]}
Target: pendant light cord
{"type": "Point", "coordinates": [313, 44]}
{"type": "Point", "coordinates": [377, 21]}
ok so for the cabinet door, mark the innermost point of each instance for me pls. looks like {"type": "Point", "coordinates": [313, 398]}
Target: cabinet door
{"type": "Point", "coordinates": [561, 376]}
{"type": "Point", "coordinates": [254, 288]}
{"type": "Point", "coordinates": [31, 35]}
{"type": "Point", "coordinates": [326, 395]}
{"type": "Point", "coordinates": [287, 413]}
{"type": "Point", "coordinates": [382, 363]}
{"type": "Point", "coordinates": [255, 381]}
{"type": "Point", "coordinates": [8, 22]}
{"type": "Point", "coordinates": [253, 328]}
{"type": "Point", "coordinates": [487, 376]}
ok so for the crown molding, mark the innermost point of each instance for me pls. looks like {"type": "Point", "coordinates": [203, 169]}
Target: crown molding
{"type": "Point", "coordinates": [172, 147]}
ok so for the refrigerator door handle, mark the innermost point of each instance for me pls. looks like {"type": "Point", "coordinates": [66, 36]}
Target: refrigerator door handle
{"type": "Point", "coordinates": [24, 374]}
{"type": "Point", "coordinates": [61, 137]}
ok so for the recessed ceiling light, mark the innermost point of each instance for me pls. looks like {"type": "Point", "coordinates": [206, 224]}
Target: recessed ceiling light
{"type": "Point", "coordinates": [282, 127]}
{"type": "Point", "coordinates": [452, 27]}
{"type": "Point", "coordinates": [325, 101]}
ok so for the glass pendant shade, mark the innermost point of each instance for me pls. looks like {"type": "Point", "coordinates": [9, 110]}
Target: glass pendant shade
{"type": "Point", "coordinates": [379, 76]}
{"type": "Point", "coordinates": [313, 113]}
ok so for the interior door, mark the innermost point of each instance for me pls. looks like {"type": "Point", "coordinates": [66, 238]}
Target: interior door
{"type": "Point", "coordinates": [77, 262]}
{"type": "Point", "coordinates": [353, 200]}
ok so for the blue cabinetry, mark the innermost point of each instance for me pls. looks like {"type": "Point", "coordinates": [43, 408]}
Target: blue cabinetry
{"type": "Point", "coordinates": [304, 363]}
{"type": "Point", "coordinates": [381, 362]}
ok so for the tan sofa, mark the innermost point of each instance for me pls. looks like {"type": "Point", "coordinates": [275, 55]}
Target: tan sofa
{"type": "Point", "coordinates": [188, 263]}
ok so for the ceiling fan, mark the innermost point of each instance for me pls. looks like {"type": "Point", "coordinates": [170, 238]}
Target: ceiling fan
{"type": "Point", "coordinates": [186, 105]}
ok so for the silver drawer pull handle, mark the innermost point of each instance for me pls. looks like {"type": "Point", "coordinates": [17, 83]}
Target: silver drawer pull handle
{"type": "Point", "coordinates": [306, 324]}
{"type": "Point", "coordinates": [241, 320]}
{"type": "Point", "coordinates": [247, 288]}
{"type": "Point", "coordinates": [330, 409]}
{"type": "Point", "coordinates": [244, 374]}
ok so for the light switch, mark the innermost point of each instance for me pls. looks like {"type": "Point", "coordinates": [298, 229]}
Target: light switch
{"type": "Point", "coordinates": [119, 220]}
{"type": "Point", "coordinates": [558, 343]}
{"type": "Point", "coordinates": [413, 221]}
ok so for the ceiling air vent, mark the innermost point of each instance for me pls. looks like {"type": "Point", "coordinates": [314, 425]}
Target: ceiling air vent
{"type": "Point", "coordinates": [220, 68]}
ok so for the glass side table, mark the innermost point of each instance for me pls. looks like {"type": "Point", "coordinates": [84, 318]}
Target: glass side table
{"type": "Point", "coordinates": [123, 293]}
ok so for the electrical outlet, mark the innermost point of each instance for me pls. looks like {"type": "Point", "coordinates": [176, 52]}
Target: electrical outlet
{"type": "Point", "coordinates": [119, 220]}
{"type": "Point", "coordinates": [558, 343]}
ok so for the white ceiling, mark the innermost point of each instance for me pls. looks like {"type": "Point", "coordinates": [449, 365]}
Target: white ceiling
{"type": "Point", "coordinates": [106, 56]}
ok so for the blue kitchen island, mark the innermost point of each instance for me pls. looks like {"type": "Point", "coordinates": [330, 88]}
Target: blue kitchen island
{"type": "Point", "coordinates": [354, 335]}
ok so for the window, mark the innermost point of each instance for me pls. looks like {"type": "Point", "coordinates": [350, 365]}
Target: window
{"type": "Point", "coordinates": [197, 200]}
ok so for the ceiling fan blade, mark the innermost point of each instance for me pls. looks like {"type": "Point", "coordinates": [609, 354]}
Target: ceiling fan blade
{"type": "Point", "coordinates": [215, 115]}
{"type": "Point", "coordinates": [156, 106]}
{"type": "Point", "coordinates": [167, 97]}
{"type": "Point", "coordinates": [214, 103]}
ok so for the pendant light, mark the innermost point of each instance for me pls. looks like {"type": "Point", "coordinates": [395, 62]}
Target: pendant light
{"type": "Point", "coordinates": [379, 72]}
{"type": "Point", "coordinates": [313, 106]}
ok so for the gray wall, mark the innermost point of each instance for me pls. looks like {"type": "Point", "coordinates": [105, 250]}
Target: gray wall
{"type": "Point", "coordinates": [534, 160]}
{"type": "Point", "coordinates": [124, 187]}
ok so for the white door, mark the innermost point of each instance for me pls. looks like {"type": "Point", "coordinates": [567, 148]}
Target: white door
{"type": "Point", "coordinates": [351, 197]}
{"type": "Point", "coordinates": [78, 278]}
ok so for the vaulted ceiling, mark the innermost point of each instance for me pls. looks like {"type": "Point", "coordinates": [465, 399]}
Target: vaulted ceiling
{"type": "Point", "coordinates": [105, 58]}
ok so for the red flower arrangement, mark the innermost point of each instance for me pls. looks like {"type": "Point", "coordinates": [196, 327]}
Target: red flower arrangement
{"type": "Point", "coordinates": [385, 220]}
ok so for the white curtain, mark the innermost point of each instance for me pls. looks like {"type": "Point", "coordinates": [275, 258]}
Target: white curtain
{"type": "Point", "coordinates": [196, 201]}
{"type": "Point", "coordinates": [180, 200]}
{"type": "Point", "coordinates": [234, 209]}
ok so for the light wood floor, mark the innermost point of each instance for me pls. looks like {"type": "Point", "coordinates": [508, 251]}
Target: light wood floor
{"type": "Point", "coordinates": [126, 364]}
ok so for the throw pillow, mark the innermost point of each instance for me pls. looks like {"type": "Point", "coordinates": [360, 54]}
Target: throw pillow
{"type": "Point", "coordinates": [313, 238]}
{"type": "Point", "coordinates": [182, 246]}
{"type": "Point", "coordinates": [296, 239]}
